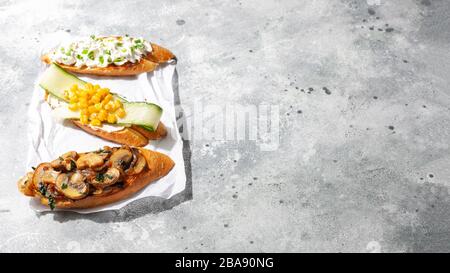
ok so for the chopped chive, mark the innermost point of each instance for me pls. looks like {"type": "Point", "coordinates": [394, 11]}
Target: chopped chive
{"type": "Point", "coordinates": [91, 55]}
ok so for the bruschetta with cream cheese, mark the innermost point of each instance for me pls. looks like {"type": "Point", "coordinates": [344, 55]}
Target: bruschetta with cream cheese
{"type": "Point", "coordinates": [108, 56]}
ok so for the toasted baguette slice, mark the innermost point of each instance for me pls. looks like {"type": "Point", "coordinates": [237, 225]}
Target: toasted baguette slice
{"type": "Point", "coordinates": [149, 63]}
{"type": "Point", "coordinates": [133, 136]}
{"type": "Point", "coordinates": [158, 165]}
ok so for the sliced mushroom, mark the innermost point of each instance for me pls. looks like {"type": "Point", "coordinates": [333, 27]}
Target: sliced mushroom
{"type": "Point", "coordinates": [121, 158]}
{"type": "Point", "coordinates": [69, 165]}
{"type": "Point", "coordinates": [110, 177]}
{"type": "Point", "coordinates": [65, 161]}
{"type": "Point", "coordinates": [139, 166]}
{"type": "Point", "coordinates": [105, 153]}
{"type": "Point", "coordinates": [49, 176]}
{"type": "Point", "coordinates": [73, 187]}
{"type": "Point", "coordinates": [89, 160]}
{"type": "Point", "coordinates": [44, 174]}
{"type": "Point", "coordinates": [89, 174]}
{"type": "Point", "coordinates": [25, 184]}
{"type": "Point", "coordinates": [135, 153]}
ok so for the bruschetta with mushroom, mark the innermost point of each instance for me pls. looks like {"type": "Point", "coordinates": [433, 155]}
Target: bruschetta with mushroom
{"type": "Point", "coordinates": [109, 56]}
{"type": "Point", "coordinates": [85, 180]}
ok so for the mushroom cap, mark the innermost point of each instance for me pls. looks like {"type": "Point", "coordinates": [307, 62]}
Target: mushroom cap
{"type": "Point", "coordinates": [72, 187]}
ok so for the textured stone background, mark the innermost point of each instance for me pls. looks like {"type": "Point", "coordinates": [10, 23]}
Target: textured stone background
{"type": "Point", "coordinates": [364, 168]}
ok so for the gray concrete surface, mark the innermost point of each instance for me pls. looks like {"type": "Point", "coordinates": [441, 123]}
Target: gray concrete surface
{"type": "Point", "coordinates": [364, 168]}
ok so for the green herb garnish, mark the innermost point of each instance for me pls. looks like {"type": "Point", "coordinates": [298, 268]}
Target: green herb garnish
{"type": "Point", "coordinates": [44, 192]}
{"type": "Point", "coordinates": [85, 51]}
{"type": "Point", "coordinates": [42, 189]}
{"type": "Point", "coordinates": [108, 176]}
{"type": "Point", "coordinates": [64, 186]}
{"type": "Point", "coordinates": [117, 60]}
{"type": "Point", "coordinates": [73, 165]}
{"type": "Point", "coordinates": [99, 177]}
{"type": "Point", "coordinates": [51, 202]}
{"type": "Point", "coordinates": [101, 59]}
{"type": "Point", "coordinates": [91, 55]}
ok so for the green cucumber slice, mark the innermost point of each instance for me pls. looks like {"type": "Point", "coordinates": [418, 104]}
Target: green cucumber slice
{"type": "Point", "coordinates": [56, 80]}
{"type": "Point", "coordinates": [141, 113]}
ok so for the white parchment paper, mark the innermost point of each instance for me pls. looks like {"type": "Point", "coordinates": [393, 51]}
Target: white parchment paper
{"type": "Point", "coordinates": [49, 138]}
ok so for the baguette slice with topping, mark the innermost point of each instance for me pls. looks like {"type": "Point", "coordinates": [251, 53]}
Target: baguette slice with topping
{"type": "Point", "coordinates": [78, 57]}
{"type": "Point", "coordinates": [117, 174]}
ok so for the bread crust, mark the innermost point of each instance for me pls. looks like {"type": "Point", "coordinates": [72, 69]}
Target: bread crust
{"type": "Point", "coordinates": [159, 133]}
{"type": "Point", "coordinates": [158, 165]}
{"type": "Point", "coordinates": [133, 135]}
{"type": "Point", "coordinates": [148, 63]}
{"type": "Point", "coordinates": [126, 136]}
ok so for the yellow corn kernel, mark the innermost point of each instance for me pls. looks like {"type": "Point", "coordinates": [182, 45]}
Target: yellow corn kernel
{"type": "Point", "coordinates": [84, 112]}
{"type": "Point", "coordinates": [82, 105]}
{"type": "Point", "coordinates": [113, 106]}
{"type": "Point", "coordinates": [92, 109]}
{"type": "Point", "coordinates": [98, 106]}
{"type": "Point", "coordinates": [118, 104]}
{"type": "Point", "coordinates": [74, 87]}
{"type": "Point", "coordinates": [73, 99]}
{"type": "Point", "coordinates": [111, 118]}
{"type": "Point", "coordinates": [66, 94]}
{"type": "Point", "coordinates": [73, 107]}
{"type": "Point", "coordinates": [96, 99]}
{"type": "Point", "coordinates": [84, 119]}
{"type": "Point", "coordinates": [96, 87]}
{"type": "Point", "coordinates": [107, 98]}
{"type": "Point", "coordinates": [88, 85]}
{"type": "Point", "coordinates": [96, 122]}
{"type": "Point", "coordinates": [77, 93]}
{"type": "Point", "coordinates": [107, 107]}
{"type": "Point", "coordinates": [100, 94]}
{"type": "Point", "coordinates": [102, 115]}
{"type": "Point", "coordinates": [120, 113]}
